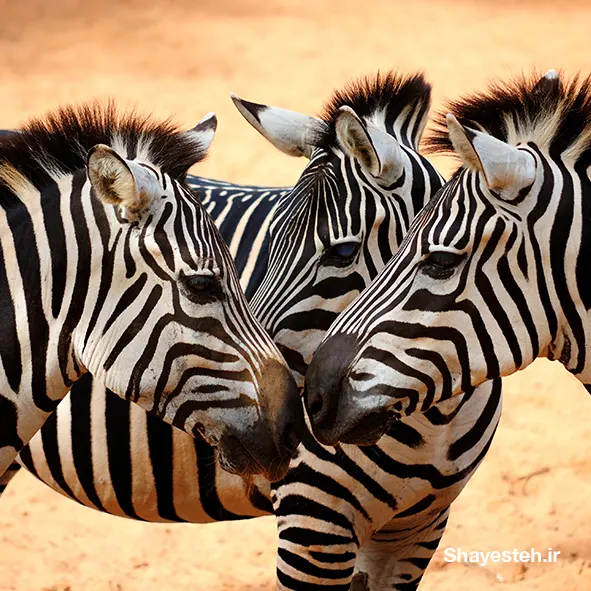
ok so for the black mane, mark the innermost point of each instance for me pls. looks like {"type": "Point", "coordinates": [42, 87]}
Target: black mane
{"type": "Point", "coordinates": [390, 92]}
{"type": "Point", "coordinates": [544, 110]}
{"type": "Point", "coordinates": [57, 143]}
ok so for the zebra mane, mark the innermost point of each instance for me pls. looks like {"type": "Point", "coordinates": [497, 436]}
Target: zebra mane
{"type": "Point", "coordinates": [57, 143]}
{"type": "Point", "coordinates": [553, 114]}
{"type": "Point", "coordinates": [391, 100]}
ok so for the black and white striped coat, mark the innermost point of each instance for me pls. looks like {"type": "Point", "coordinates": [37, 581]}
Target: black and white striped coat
{"type": "Point", "coordinates": [304, 255]}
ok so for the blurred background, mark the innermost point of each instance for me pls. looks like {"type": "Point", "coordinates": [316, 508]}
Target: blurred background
{"type": "Point", "coordinates": [182, 58]}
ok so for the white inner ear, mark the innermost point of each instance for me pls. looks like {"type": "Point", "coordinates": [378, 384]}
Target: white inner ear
{"type": "Point", "coordinates": [119, 181]}
{"type": "Point", "coordinates": [354, 138]}
{"type": "Point", "coordinates": [148, 187]}
{"type": "Point", "coordinates": [377, 151]}
{"type": "Point", "coordinates": [505, 168]}
{"type": "Point", "coordinates": [292, 133]}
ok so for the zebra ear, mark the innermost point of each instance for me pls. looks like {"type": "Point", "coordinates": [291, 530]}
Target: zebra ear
{"type": "Point", "coordinates": [117, 181]}
{"type": "Point", "coordinates": [293, 133]}
{"type": "Point", "coordinates": [204, 131]}
{"type": "Point", "coordinates": [377, 151]}
{"type": "Point", "coordinates": [503, 167]}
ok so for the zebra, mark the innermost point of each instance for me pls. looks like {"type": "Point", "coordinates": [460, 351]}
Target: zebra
{"type": "Point", "coordinates": [328, 500]}
{"type": "Point", "coordinates": [491, 274]}
{"type": "Point", "coordinates": [110, 265]}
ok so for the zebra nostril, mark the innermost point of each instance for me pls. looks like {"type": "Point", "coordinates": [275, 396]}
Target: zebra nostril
{"type": "Point", "coordinates": [315, 406]}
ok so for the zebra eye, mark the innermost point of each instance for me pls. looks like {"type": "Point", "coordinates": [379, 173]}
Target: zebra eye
{"type": "Point", "coordinates": [201, 289]}
{"type": "Point", "coordinates": [340, 255]}
{"type": "Point", "coordinates": [441, 264]}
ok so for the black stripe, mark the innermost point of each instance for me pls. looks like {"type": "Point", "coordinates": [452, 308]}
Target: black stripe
{"type": "Point", "coordinates": [291, 583]}
{"type": "Point", "coordinates": [478, 428]}
{"type": "Point", "coordinates": [81, 433]}
{"type": "Point", "coordinates": [208, 495]}
{"type": "Point", "coordinates": [295, 504]}
{"type": "Point", "coordinates": [9, 436]}
{"type": "Point", "coordinates": [27, 254]}
{"type": "Point", "coordinates": [486, 290]}
{"type": "Point", "coordinates": [559, 236]}
{"type": "Point", "coordinates": [117, 420]}
{"type": "Point", "coordinates": [301, 536]}
{"type": "Point", "coordinates": [582, 271]}
{"type": "Point", "coordinates": [542, 204]}
{"type": "Point", "coordinates": [302, 565]}
{"type": "Point", "coordinates": [129, 296]}
{"type": "Point", "coordinates": [56, 237]}
{"type": "Point", "coordinates": [82, 277]}
{"type": "Point", "coordinates": [134, 327]}
{"type": "Point", "coordinates": [10, 347]}
{"type": "Point", "coordinates": [161, 237]}
{"type": "Point", "coordinates": [330, 486]}
{"type": "Point", "coordinates": [160, 442]}
{"type": "Point", "coordinates": [49, 438]}
{"type": "Point", "coordinates": [107, 265]}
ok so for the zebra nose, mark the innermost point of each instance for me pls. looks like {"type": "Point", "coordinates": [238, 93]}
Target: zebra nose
{"type": "Point", "coordinates": [280, 397]}
{"type": "Point", "coordinates": [322, 408]}
{"type": "Point", "coordinates": [289, 424]}
{"type": "Point", "coordinates": [324, 382]}
{"type": "Point", "coordinates": [315, 405]}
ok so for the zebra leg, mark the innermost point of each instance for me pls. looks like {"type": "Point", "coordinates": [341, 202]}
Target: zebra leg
{"type": "Point", "coordinates": [318, 546]}
{"type": "Point", "coordinates": [397, 559]}
{"type": "Point", "coordinates": [309, 559]}
{"type": "Point", "coordinates": [8, 476]}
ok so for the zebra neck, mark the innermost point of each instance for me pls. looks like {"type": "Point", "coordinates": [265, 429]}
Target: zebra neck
{"type": "Point", "coordinates": [41, 281]}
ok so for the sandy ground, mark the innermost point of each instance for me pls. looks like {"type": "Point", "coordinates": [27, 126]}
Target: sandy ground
{"type": "Point", "coordinates": [184, 57]}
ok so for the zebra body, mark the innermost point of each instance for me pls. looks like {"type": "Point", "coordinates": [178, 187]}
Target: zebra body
{"type": "Point", "coordinates": [492, 273]}
{"type": "Point", "coordinates": [184, 480]}
{"type": "Point", "coordinates": [319, 246]}
{"type": "Point", "coordinates": [242, 214]}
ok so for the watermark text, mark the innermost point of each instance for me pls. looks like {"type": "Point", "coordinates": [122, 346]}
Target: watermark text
{"type": "Point", "coordinates": [515, 555]}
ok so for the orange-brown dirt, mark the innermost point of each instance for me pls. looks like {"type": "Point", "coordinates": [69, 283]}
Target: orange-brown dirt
{"type": "Point", "coordinates": [184, 57]}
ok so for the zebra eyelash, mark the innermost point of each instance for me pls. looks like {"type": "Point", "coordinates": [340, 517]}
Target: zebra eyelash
{"type": "Point", "coordinates": [441, 264]}
{"type": "Point", "coordinates": [201, 288]}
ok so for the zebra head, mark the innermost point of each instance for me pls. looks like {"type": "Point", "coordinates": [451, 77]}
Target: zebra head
{"type": "Point", "coordinates": [490, 276]}
{"type": "Point", "coordinates": [143, 291]}
{"type": "Point", "coordinates": [349, 210]}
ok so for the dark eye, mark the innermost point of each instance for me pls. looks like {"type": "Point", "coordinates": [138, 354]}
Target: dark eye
{"type": "Point", "coordinates": [340, 255]}
{"type": "Point", "coordinates": [201, 289]}
{"type": "Point", "coordinates": [440, 264]}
